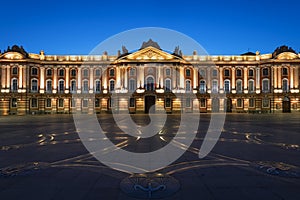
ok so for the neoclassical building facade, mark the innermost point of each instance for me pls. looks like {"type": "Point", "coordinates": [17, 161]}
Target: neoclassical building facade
{"type": "Point", "coordinates": [135, 81]}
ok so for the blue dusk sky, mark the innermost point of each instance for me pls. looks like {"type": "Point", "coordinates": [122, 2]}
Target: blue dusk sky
{"type": "Point", "coordinates": [221, 27]}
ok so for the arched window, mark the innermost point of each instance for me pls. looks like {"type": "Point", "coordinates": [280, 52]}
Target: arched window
{"type": "Point", "coordinates": [132, 85]}
{"type": "Point", "coordinates": [61, 86]}
{"type": "Point", "coordinates": [14, 84]}
{"type": "Point", "coordinates": [238, 72]}
{"type": "Point", "coordinates": [97, 86]}
{"type": "Point", "coordinates": [111, 72]}
{"type": "Point", "coordinates": [168, 72]}
{"type": "Point", "coordinates": [34, 71]}
{"type": "Point", "coordinates": [132, 72]}
{"type": "Point", "coordinates": [239, 86]}
{"type": "Point", "coordinates": [34, 85]}
{"type": "Point", "coordinates": [226, 72]}
{"type": "Point", "coordinates": [168, 85]}
{"type": "Point", "coordinates": [73, 86]}
{"type": "Point", "coordinates": [251, 72]}
{"type": "Point", "coordinates": [285, 71]}
{"type": "Point", "coordinates": [227, 86]}
{"type": "Point", "coordinates": [111, 85]}
{"type": "Point", "coordinates": [49, 86]}
{"type": "Point", "coordinates": [49, 72]}
{"type": "Point", "coordinates": [61, 72]}
{"type": "Point", "coordinates": [265, 71]}
{"type": "Point", "coordinates": [97, 72]}
{"type": "Point", "coordinates": [73, 72]}
{"type": "Point", "coordinates": [85, 86]}
{"type": "Point", "coordinates": [265, 85]}
{"type": "Point", "coordinates": [150, 83]}
{"type": "Point", "coordinates": [187, 85]}
{"type": "Point", "coordinates": [202, 87]}
{"type": "Point", "coordinates": [85, 73]}
{"type": "Point", "coordinates": [15, 70]}
{"type": "Point", "coordinates": [285, 86]}
{"type": "Point", "coordinates": [251, 86]}
{"type": "Point", "coordinates": [188, 72]}
{"type": "Point", "coordinates": [215, 86]}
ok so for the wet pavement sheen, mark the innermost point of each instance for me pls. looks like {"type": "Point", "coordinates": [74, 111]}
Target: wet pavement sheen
{"type": "Point", "coordinates": [256, 157]}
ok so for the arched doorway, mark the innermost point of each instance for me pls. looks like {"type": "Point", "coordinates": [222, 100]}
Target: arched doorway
{"type": "Point", "coordinates": [149, 101]}
{"type": "Point", "coordinates": [215, 105]}
{"type": "Point", "coordinates": [286, 105]}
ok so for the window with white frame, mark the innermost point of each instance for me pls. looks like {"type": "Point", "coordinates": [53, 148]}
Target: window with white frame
{"type": "Point", "coordinates": [15, 70]}
{"type": "Point", "coordinates": [73, 86]}
{"type": "Point", "coordinates": [251, 86]}
{"type": "Point", "coordinates": [266, 103]}
{"type": "Point", "coordinates": [34, 71]}
{"type": "Point", "coordinates": [132, 85]}
{"type": "Point", "coordinates": [60, 103]}
{"type": "Point", "coordinates": [202, 87]}
{"type": "Point", "coordinates": [187, 85]}
{"type": "Point", "coordinates": [34, 103]}
{"type": "Point", "coordinates": [34, 85]}
{"type": "Point", "coordinates": [49, 86]}
{"type": "Point", "coordinates": [285, 85]}
{"type": "Point", "coordinates": [85, 73]}
{"type": "Point", "coordinates": [265, 85]}
{"type": "Point", "coordinates": [97, 86]}
{"type": "Point", "coordinates": [214, 72]}
{"type": "Point", "coordinates": [73, 72]}
{"type": "Point", "coordinates": [97, 72]}
{"type": "Point", "coordinates": [49, 72]}
{"type": "Point", "coordinates": [251, 73]}
{"type": "Point", "coordinates": [61, 86]}
{"type": "Point", "coordinates": [239, 86]}
{"type": "Point", "coordinates": [202, 73]}
{"type": "Point", "coordinates": [227, 86]}
{"type": "Point", "coordinates": [14, 84]}
{"type": "Point", "coordinates": [168, 85]}
{"type": "Point", "coordinates": [61, 72]}
{"type": "Point", "coordinates": [111, 85]}
{"type": "Point", "coordinates": [85, 86]}
{"type": "Point", "coordinates": [215, 86]}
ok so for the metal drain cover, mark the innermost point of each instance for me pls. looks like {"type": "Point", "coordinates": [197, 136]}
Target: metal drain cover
{"type": "Point", "coordinates": [149, 185]}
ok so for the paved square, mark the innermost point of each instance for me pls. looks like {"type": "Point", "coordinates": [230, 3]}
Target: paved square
{"type": "Point", "coordinates": [257, 157]}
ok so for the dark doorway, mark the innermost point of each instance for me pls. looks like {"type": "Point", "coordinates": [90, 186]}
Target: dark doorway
{"type": "Point", "coordinates": [215, 106]}
{"type": "Point", "coordinates": [149, 101]}
{"type": "Point", "coordinates": [286, 105]}
{"type": "Point", "coordinates": [228, 104]}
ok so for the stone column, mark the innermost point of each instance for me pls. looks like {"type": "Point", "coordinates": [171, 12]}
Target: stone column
{"type": "Point", "coordinates": [3, 77]}
{"type": "Point", "coordinates": [296, 75]}
{"type": "Point", "coordinates": [7, 76]}
{"type": "Point", "coordinates": [291, 77]}
{"type": "Point", "coordinates": [279, 78]}
{"type": "Point", "coordinates": [126, 78]}
{"type": "Point", "coordinates": [233, 79]}
{"type": "Point", "coordinates": [245, 79]}
{"type": "Point", "coordinates": [91, 79]}
{"type": "Point", "coordinates": [221, 79]}
{"type": "Point", "coordinates": [257, 79]}
{"type": "Point", "coordinates": [79, 80]}
{"type": "Point", "coordinates": [208, 79]}
{"type": "Point", "coordinates": [275, 77]}
{"type": "Point", "coordinates": [195, 81]}
{"type": "Point", "coordinates": [20, 76]}
{"type": "Point", "coordinates": [42, 79]}
{"type": "Point", "coordinates": [55, 80]}
{"type": "Point", "coordinates": [67, 79]}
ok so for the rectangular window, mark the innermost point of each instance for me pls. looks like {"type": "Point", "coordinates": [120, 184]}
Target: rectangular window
{"type": "Point", "coordinates": [168, 72]}
{"type": "Point", "coordinates": [251, 72]}
{"type": "Point", "coordinates": [226, 72]}
{"type": "Point", "coordinates": [202, 73]}
{"type": "Point", "coordinates": [239, 103]}
{"type": "Point", "coordinates": [49, 72]}
{"type": "Point", "coordinates": [215, 73]}
{"type": "Point", "coordinates": [60, 103]}
{"type": "Point", "coordinates": [266, 103]}
{"type": "Point", "coordinates": [34, 103]}
{"type": "Point", "coordinates": [48, 103]}
{"type": "Point", "coordinates": [188, 72]}
{"type": "Point", "coordinates": [251, 102]}
{"type": "Point", "coordinates": [61, 72]}
{"type": "Point", "coordinates": [73, 103]}
{"type": "Point", "coordinates": [15, 70]}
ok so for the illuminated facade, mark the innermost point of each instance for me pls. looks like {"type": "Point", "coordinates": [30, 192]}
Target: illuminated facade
{"type": "Point", "coordinates": [133, 82]}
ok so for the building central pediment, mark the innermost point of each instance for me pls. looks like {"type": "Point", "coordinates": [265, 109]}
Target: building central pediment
{"type": "Point", "coordinates": [149, 54]}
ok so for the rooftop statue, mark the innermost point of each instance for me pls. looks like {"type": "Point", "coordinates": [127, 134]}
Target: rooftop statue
{"type": "Point", "coordinates": [149, 43]}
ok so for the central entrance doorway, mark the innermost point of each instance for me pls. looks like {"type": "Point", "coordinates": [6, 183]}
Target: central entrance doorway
{"type": "Point", "coordinates": [149, 101]}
